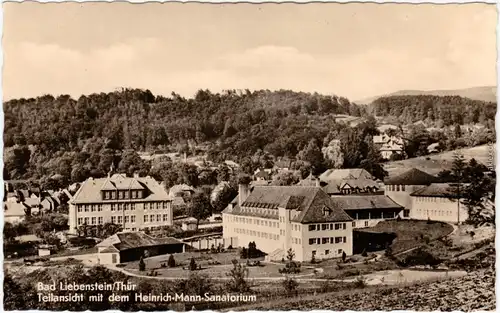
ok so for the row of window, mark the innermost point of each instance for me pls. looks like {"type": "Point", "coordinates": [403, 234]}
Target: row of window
{"type": "Point", "coordinates": [336, 226]}
{"type": "Point", "coordinates": [122, 194]}
{"type": "Point", "coordinates": [396, 187]}
{"type": "Point", "coordinates": [431, 199]}
{"type": "Point", "coordinates": [327, 240]}
{"type": "Point", "coordinates": [122, 206]}
{"type": "Point", "coordinates": [255, 221]}
{"type": "Point", "coordinates": [434, 212]}
{"type": "Point", "coordinates": [258, 234]}
{"type": "Point", "coordinates": [297, 241]}
{"type": "Point", "coordinates": [327, 252]}
{"type": "Point", "coordinates": [91, 221]}
{"type": "Point", "coordinates": [365, 223]}
{"type": "Point", "coordinates": [159, 217]}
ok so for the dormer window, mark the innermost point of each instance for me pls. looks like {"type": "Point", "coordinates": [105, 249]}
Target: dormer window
{"type": "Point", "coordinates": [326, 211]}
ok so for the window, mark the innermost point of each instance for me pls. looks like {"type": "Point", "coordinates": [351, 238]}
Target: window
{"type": "Point", "coordinates": [99, 207]}
{"type": "Point", "coordinates": [344, 225]}
{"type": "Point", "coordinates": [165, 205]}
{"type": "Point", "coordinates": [100, 220]}
{"type": "Point", "coordinates": [353, 224]}
{"type": "Point", "coordinates": [312, 241]}
{"type": "Point", "coordinates": [86, 208]}
{"type": "Point", "coordinates": [312, 227]}
{"type": "Point", "coordinates": [87, 220]}
{"type": "Point", "coordinates": [146, 206]}
{"type": "Point", "coordinates": [324, 227]}
{"type": "Point", "coordinates": [146, 218]}
{"type": "Point", "coordinates": [366, 223]}
{"type": "Point", "coordinates": [120, 219]}
{"type": "Point", "coordinates": [106, 195]}
{"type": "Point", "coordinates": [152, 218]}
{"type": "Point", "coordinates": [325, 240]}
{"type": "Point", "coordinates": [158, 217]}
{"type": "Point", "coordinates": [132, 219]}
{"type": "Point", "coordinates": [339, 251]}
{"type": "Point", "coordinates": [165, 217]}
{"type": "Point", "coordinates": [338, 226]}
{"type": "Point", "coordinates": [113, 207]}
{"type": "Point", "coordinates": [133, 228]}
{"type": "Point", "coordinates": [403, 187]}
{"type": "Point", "coordinates": [158, 205]}
{"type": "Point", "coordinates": [120, 206]}
{"type": "Point", "coordinates": [345, 239]}
{"type": "Point", "coordinates": [127, 218]}
{"type": "Point", "coordinates": [120, 194]}
{"type": "Point", "coordinates": [338, 239]}
{"type": "Point", "coordinates": [79, 207]}
{"type": "Point", "coordinates": [327, 252]}
{"type": "Point", "coordinates": [80, 220]}
{"type": "Point", "coordinates": [397, 187]}
{"type": "Point", "coordinates": [113, 219]}
{"type": "Point", "coordinates": [94, 220]}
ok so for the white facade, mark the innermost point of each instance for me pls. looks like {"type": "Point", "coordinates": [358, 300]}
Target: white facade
{"type": "Point", "coordinates": [401, 195]}
{"type": "Point", "coordinates": [133, 210]}
{"type": "Point", "coordinates": [438, 209]}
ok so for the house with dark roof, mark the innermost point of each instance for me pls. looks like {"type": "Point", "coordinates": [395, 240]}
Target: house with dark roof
{"type": "Point", "coordinates": [439, 202]}
{"type": "Point", "coordinates": [131, 246]}
{"type": "Point", "coordinates": [400, 187]}
{"type": "Point", "coordinates": [368, 210]}
{"type": "Point", "coordinates": [135, 203]}
{"type": "Point", "coordinates": [14, 212]}
{"type": "Point", "coordinates": [277, 218]}
{"type": "Point", "coordinates": [348, 181]}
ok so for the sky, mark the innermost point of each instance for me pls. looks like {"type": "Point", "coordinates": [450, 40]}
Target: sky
{"type": "Point", "coordinates": [351, 50]}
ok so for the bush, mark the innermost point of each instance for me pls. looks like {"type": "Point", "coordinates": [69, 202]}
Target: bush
{"type": "Point", "coordinates": [290, 285]}
{"type": "Point", "coordinates": [192, 265]}
{"type": "Point", "coordinates": [360, 282]}
{"type": "Point", "coordinates": [171, 261]}
{"type": "Point", "coordinates": [142, 265]}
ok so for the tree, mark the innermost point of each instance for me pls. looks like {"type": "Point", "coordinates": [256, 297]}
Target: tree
{"type": "Point", "coordinates": [290, 255]}
{"type": "Point", "coordinates": [171, 261]}
{"type": "Point", "coordinates": [238, 275]}
{"type": "Point", "coordinates": [142, 265]}
{"type": "Point", "coordinates": [333, 154]}
{"type": "Point", "coordinates": [290, 285]}
{"type": "Point", "coordinates": [192, 265]}
{"type": "Point", "coordinates": [199, 206]}
{"type": "Point", "coordinates": [286, 178]}
{"type": "Point", "coordinates": [313, 155]}
{"type": "Point", "coordinates": [372, 163]}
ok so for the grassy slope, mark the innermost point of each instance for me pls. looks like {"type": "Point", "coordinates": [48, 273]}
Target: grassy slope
{"type": "Point", "coordinates": [438, 162]}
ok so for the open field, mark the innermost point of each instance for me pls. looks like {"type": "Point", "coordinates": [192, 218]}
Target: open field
{"type": "Point", "coordinates": [412, 233]}
{"type": "Point", "coordinates": [435, 163]}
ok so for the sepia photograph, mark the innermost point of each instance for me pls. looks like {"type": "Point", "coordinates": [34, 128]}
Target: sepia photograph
{"type": "Point", "coordinates": [249, 157]}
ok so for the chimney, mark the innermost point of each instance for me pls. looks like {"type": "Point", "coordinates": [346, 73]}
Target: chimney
{"type": "Point", "coordinates": [318, 182]}
{"type": "Point", "coordinates": [136, 175]}
{"type": "Point", "coordinates": [243, 193]}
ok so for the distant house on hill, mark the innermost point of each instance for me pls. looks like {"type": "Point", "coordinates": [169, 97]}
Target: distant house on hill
{"type": "Point", "coordinates": [345, 174]}
{"type": "Point", "coordinates": [14, 212]}
{"type": "Point", "coordinates": [388, 145]}
{"type": "Point", "coordinates": [284, 164]}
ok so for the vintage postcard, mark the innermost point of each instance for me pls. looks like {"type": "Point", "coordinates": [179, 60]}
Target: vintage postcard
{"type": "Point", "coordinates": [242, 157]}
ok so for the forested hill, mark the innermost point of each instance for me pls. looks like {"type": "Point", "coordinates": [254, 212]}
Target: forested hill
{"type": "Point", "coordinates": [443, 110]}
{"type": "Point", "coordinates": [137, 119]}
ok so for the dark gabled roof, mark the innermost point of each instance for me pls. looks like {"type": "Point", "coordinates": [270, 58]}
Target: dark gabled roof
{"type": "Point", "coordinates": [367, 202]}
{"type": "Point", "coordinates": [438, 190]}
{"type": "Point", "coordinates": [130, 240]}
{"type": "Point", "coordinates": [309, 201]}
{"type": "Point", "coordinates": [413, 177]}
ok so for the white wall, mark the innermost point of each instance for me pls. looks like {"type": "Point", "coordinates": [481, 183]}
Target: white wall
{"type": "Point", "coordinates": [438, 209]}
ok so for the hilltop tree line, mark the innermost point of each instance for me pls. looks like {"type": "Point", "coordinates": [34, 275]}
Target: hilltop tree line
{"type": "Point", "coordinates": [441, 110]}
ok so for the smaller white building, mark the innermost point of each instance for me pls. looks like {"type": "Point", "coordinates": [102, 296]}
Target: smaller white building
{"type": "Point", "coordinates": [438, 202]}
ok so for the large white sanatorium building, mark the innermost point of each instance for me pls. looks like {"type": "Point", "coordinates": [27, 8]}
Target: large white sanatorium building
{"type": "Point", "coordinates": [278, 218]}
{"type": "Point", "coordinates": [135, 203]}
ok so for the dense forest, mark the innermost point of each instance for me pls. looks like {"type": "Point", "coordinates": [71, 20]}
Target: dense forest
{"type": "Point", "coordinates": [69, 140]}
{"type": "Point", "coordinates": [441, 110]}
